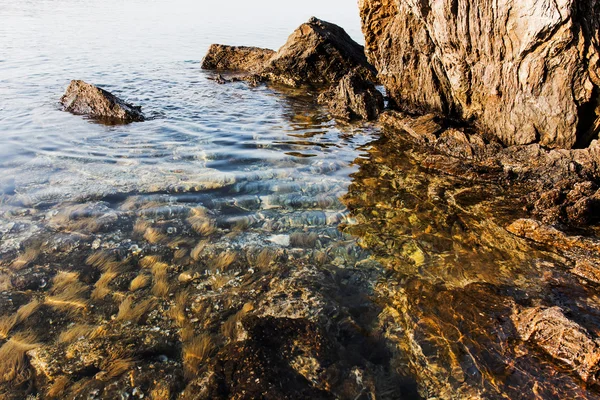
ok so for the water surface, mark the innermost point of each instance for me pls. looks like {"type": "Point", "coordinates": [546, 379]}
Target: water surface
{"type": "Point", "coordinates": [241, 243]}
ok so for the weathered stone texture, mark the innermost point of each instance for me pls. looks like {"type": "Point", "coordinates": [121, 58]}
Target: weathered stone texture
{"type": "Point", "coordinates": [353, 98]}
{"type": "Point", "coordinates": [236, 58]}
{"type": "Point", "coordinates": [317, 53]}
{"type": "Point", "coordinates": [525, 72]}
{"type": "Point", "coordinates": [84, 99]}
{"type": "Point", "coordinates": [561, 338]}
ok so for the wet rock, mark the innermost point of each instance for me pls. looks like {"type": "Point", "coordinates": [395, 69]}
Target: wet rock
{"type": "Point", "coordinates": [561, 338]}
{"type": "Point", "coordinates": [34, 278]}
{"type": "Point", "coordinates": [583, 251]}
{"type": "Point", "coordinates": [457, 336]}
{"type": "Point", "coordinates": [587, 269]}
{"type": "Point", "coordinates": [236, 58]}
{"type": "Point", "coordinates": [353, 98]}
{"type": "Point", "coordinates": [541, 233]}
{"type": "Point", "coordinates": [568, 202]}
{"type": "Point", "coordinates": [423, 128]}
{"type": "Point", "coordinates": [461, 339]}
{"type": "Point", "coordinates": [84, 99]}
{"type": "Point", "coordinates": [263, 366]}
{"type": "Point", "coordinates": [455, 143]}
{"type": "Point", "coordinates": [561, 186]}
{"type": "Point", "coordinates": [498, 68]}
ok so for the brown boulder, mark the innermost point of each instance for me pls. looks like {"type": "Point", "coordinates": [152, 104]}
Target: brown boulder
{"type": "Point", "coordinates": [545, 234]}
{"type": "Point", "coordinates": [236, 58]}
{"type": "Point", "coordinates": [523, 71]}
{"type": "Point", "coordinates": [317, 53]}
{"type": "Point", "coordinates": [353, 98]}
{"type": "Point", "coordinates": [84, 99]}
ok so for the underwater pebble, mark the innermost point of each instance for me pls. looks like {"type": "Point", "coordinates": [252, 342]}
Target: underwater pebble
{"type": "Point", "coordinates": [339, 262]}
{"type": "Point", "coordinates": [163, 359]}
{"type": "Point", "coordinates": [185, 277]}
{"type": "Point", "coordinates": [281, 240]}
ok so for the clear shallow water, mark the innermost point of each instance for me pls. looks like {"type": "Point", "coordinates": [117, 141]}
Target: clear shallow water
{"type": "Point", "coordinates": [200, 135]}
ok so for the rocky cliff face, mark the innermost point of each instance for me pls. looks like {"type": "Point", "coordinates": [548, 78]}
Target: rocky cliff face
{"type": "Point", "coordinates": [525, 72]}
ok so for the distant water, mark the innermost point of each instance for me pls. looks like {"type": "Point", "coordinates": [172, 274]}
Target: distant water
{"type": "Point", "coordinates": [200, 134]}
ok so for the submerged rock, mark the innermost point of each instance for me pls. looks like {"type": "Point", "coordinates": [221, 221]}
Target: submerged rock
{"type": "Point", "coordinates": [561, 338]}
{"type": "Point", "coordinates": [353, 98]}
{"type": "Point", "coordinates": [540, 233]}
{"type": "Point", "coordinates": [84, 99]}
{"type": "Point", "coordinates": [524, 72]}
{"type": "Point", "coordinates": [236, 58]}
{"type": "Point", "coordinates": [560, 186]}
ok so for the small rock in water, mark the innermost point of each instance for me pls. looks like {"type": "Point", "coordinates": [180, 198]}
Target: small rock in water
{"type": "Point", "coordinates": [81, 98]}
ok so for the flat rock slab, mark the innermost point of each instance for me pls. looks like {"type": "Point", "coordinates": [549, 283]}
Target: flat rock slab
{"type": "Point", "coordinates": [424, 128]}
{"type": "Point", "coordinates": [236, 58]}
{"type": "Point", "coordinates": [81, 98]}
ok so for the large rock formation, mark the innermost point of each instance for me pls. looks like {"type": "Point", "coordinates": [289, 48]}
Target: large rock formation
{"type": "Point", "coordinates": [317, 53]}
{"type": "Point", "coordinates": [523, 71]}
{"type": "Point", "coordinates": [84, 99]}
